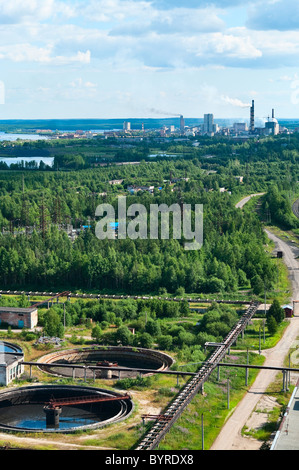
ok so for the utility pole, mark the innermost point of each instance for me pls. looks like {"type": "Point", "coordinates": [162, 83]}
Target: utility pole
{"type": "Point", "coordinates": [246, 376]}
{"type": "Point", "coordinates": [202, 433]}
{"type": "Point", "coordinates": [260, 340]}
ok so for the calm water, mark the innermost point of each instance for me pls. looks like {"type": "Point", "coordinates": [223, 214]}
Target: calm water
{"type": "Point", "coordinates": [46, 160]}
{"type": "Point", "coordinates": [33, 417]}
{"type": "Point", "coordinates": [6, 348]}
{"type": "Point", "coordinates": [26, 160]}
{"type": "Point", "coordinates": [14, 137]}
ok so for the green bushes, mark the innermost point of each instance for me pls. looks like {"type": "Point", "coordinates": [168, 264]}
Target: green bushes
{"type": "Point", "coordinates": [135, 383]}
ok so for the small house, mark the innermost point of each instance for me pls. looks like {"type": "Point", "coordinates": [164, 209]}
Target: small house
{"type": "Point", "coordinates": [288, 311]}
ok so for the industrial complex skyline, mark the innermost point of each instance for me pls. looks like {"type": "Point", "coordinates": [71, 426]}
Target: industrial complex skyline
{"type": "Point", "coordinates": [148, 58]}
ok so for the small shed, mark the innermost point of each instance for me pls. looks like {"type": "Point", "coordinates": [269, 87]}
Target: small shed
{"type": "Point", "coordinates": [19, 317]}
{"type": "Point", "coordinates": [288, 310]}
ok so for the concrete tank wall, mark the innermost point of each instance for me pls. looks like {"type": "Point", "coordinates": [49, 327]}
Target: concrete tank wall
{"type": "Point", "coordinates": [144, 358]}
{"type": "Point", "coordinates": [39, 394]}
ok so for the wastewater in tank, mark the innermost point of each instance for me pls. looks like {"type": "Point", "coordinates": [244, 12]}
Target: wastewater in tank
{"type": "Point", "coordinates": [6, 348]}
{"type": "Point", "coordinates": [33, 417]}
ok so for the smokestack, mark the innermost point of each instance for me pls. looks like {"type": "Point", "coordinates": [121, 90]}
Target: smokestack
{"type": "Point", "coordinates": [252, 117]}
{"type": "Point", "coordinates": [272, 113]}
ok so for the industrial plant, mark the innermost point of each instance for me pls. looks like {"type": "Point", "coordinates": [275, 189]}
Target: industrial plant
{"type": "Point", "coordinates": [245, 128]}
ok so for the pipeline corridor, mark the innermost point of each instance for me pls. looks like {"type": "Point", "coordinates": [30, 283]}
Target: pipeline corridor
{"type": "Point", "coordinates": [164, 422]}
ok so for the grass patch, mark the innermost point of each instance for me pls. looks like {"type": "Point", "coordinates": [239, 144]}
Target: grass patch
{"type": "Point", "coordinates": [186, 433]}
{"type": "Point", "coordinates": [256, 334]}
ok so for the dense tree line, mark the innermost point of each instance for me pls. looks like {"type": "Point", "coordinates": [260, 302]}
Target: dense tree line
{"type": "Point", "coordinates": [144, 324]}
{"type": "Point", "coordinates": [232, 255]}
{"type": "Point", "coordinates": [277, 207]}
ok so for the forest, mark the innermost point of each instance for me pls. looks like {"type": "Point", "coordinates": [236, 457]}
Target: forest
{"type": "Point", "coordinates": [37, 206]}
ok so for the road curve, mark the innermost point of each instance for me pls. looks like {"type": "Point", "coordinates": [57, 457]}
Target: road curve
{"type": "Point", "coordinates": [243, 201]}
{"type": "Point", "coordinates": [230, 436]}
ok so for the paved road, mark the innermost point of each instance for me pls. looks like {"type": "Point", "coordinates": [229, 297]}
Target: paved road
{"type": "Point", "coordinates": [243, 201]}
{"type": "Point", "coordinates": [230, 436]}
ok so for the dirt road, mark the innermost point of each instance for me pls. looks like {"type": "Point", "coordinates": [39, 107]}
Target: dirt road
{"type": "Point", "coordinates": [230, 436]}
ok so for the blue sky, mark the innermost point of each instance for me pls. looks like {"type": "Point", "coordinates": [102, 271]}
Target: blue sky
{"type": "Point", "coordinates": [148, 58]}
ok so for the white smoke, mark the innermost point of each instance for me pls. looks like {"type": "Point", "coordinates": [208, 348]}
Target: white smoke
{"type": "Point", "coordinates": [162, 113]}
{"type": "Point", "coordinates": [235, 102]}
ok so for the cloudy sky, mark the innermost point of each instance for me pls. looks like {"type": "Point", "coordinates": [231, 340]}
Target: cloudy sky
{"type": "Point", "coordinates": [148, 58]}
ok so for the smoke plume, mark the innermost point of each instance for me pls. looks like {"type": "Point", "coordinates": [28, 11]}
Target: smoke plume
{"type": "Point", "coordinates": [235, 102]}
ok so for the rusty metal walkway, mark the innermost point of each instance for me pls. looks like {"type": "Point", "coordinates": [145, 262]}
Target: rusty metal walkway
{"type": "Point", "coordinates": [69, 401]}
{"type": "Point", "coordinates": [152, 439]}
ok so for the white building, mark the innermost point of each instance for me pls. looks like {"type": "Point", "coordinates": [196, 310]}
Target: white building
{"type": "Point", "coordinates": [127, 126]}
{"type": "Point", "coordinates": [11, 362]}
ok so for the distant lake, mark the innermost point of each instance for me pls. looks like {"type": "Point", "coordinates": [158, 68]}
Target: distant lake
{"type": "Point", "coordinates": [14, 137]}
{"type": "Point", "coordinates": [46, 160]}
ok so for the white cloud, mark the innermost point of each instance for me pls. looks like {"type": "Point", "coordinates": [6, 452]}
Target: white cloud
{"type": "Point", "coordinates": [80, 83]}
{"type": "Point", "coordinates": [33, 11]}
{"type": "Point", "coordinates": [232, 45]}
{"type": "Point", "coordinates": [142, 47]}
{"type": "Point", "coordinates": [167, 38]}
{"type": "Point", "coordinates": [31, 53]}
{"type": "Point", "coordinates": [172, 22]}
{"type": "Point", "coordinates": [115, 10]}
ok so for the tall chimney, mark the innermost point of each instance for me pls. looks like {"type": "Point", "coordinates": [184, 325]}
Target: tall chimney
{"type": "Point", "coordinates": [252, 117]}
{"type": "Point", "coordinates": [272, 113]}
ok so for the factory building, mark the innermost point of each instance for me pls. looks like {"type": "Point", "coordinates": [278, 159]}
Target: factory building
{"type": "Point", "coordinates": [240, 127]}
{"type": "Point", "coordinates": [11, 362]}
{"type": "Point", "coordinates": [19, 317]}
{"type": "Point", "coordinates": [272, 126]}
{"type": "Point", "coordinates": [126, 126]}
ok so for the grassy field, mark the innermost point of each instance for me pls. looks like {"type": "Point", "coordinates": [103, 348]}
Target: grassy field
{"type": "Point", "coordinates": [212, 408]}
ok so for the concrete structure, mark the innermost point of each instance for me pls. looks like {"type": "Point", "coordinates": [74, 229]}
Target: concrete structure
{"type": "Point", "coordinates": [240, 127]}
{"type": "Point", "coordinates": [182, 124]}
{"type": "Point", "coordinates": [251, 126]}
{"type": "Point", "coordinates": [287, 437]}
{"type": "Point", "coordinates": [272, 126]}
{"type": "Point", "coordinates": [126, 357]}
{"type": "Point", "coordinates": [126, 126]}
{"type": "Point", "coordinates": [19, 317]}
{"type": "Point", "coordinates": [208, 125]}
{"type": "Point", "coordinates": [16, 417]}
{"type": "Point", "coordinates": [11, 359]}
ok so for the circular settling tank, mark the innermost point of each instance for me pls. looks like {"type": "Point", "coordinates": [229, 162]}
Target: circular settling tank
{"type": "Point", "coordinates": [126, 358]}
{"type": "Point", "coordinates": [9, 348]}
{"type": "Point", "coordinates": [26, 408]}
